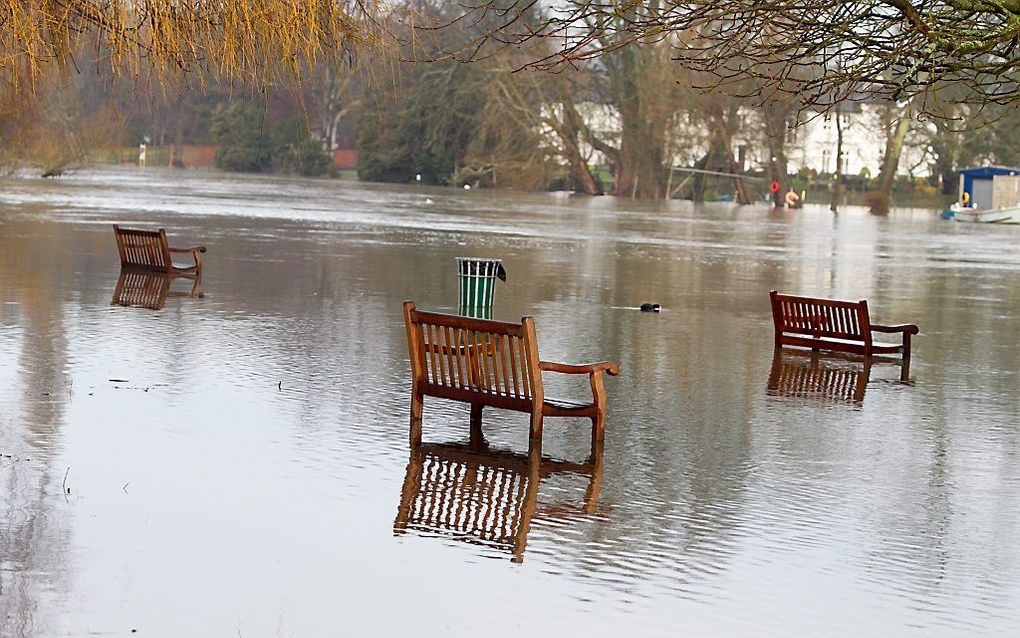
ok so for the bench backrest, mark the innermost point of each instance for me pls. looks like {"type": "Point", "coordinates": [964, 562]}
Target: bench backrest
{"type": "Point", "coordinates": [143, 248]}
{"type": "Point", "coordinates": [463, 356]}
{"type": "Point", "coordinates": [820, 318]}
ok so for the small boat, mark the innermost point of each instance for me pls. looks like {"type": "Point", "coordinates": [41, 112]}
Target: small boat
{"type": "Point", "coordinates": [984, 215]}
{"type": "Point", "coordinates": [988, 195]}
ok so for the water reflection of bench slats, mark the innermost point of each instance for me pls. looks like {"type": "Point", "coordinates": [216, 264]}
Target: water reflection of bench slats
{"type": "Point", "coordinates": [815, 376]}
{"type": "Point", "coordinates": [147, 289]}
{"type": "Point", "coordinates": [482, 496]}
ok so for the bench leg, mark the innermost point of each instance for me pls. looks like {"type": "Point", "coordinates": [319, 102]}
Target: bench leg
{"type": "Point", "coordinates": [591, 495]}
{"type": "Point", "coordinates": [598, 428]}
{"type": "Point", "coordinates": [536, 427]}
{"type": "Point", "coordinates": [476, 425]}
{"type": "Point", "coordinates": [417, 406]}
{"type": "Point", "coordinates": [409, 492]}
{"type": "Point", "coordinates": [598, 393]}
{"type": "Point", "coordinates": [530, 502]}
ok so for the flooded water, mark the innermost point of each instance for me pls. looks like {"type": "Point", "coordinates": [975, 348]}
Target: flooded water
{"type": "Point", "coordinates": [238, 464]}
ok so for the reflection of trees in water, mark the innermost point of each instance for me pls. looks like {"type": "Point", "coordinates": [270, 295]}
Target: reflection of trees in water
{"type": "Point", "coordinates": [33, 539]}
{"type": "Point", "coordinates": [33, 551]}
{"type": "Point", "coordinates": [962, 426]}
{"type": "Point", "coordinates": [945, 522]}
{"type": "Point", "coordinates": [678, 446]}
{"type": "Point", "coordinates": [334, 349]}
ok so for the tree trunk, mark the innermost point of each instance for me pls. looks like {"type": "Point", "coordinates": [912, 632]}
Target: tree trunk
{"type": "Point", "coordinates": [569, 131]}
{"type": "Point", "coordinates": [891, 160]}
{"type": "Point", "coordinates": [640, 171]}
{"type": "Point", "coordinates": [775, 113]}
{"type": "Point", "coordinates": [720, 154]}
{"type": "Point", "coordinates": [641, 154]}
{"type": "Point", "coordinates": [837, 178]}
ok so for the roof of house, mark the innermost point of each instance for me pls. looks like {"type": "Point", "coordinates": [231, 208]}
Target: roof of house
{"type": "Point", "coordinates": [987, 172]}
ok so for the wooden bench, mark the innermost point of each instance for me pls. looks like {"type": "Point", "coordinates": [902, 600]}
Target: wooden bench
{"type": "Point", "coordinates": [828, 324]}
{"type": "Point", "coordinates": [492, 363]}
{"type": "Point", "coordinates": [484, 496]}
{"type": "Point", "coordinates": [149, 250]}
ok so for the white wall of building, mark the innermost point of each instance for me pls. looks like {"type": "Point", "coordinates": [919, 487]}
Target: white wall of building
{"type": "Point", "coordinates": [811, 145]}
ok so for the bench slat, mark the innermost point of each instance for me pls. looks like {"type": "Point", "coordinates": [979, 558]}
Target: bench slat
{"type": "Point", "coordinates": [469, 395]}
{"type": "Point", "coordinates": [492, 358]}
{"type": "Point", "coordinates": [501, 365]}
{"type": "Point", "coordinates": [509, 352]}
{"type": "Point", "coordinates": [467, 323]}
{"type": "Point", "coordinates": [506, 364]}
{"type": "Point", "coordinates": [523, 362]}
{"type": "Point", "coordinates": [444, 334]}
{"type": "Point", "coordinates": [463, 374]}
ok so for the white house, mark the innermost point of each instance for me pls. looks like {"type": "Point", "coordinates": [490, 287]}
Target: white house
{"type": "Point", "coordinates": [811, 142]}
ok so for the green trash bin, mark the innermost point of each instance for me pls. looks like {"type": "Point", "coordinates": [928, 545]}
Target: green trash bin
{"type": "Point", "coordinates": [476, 285]}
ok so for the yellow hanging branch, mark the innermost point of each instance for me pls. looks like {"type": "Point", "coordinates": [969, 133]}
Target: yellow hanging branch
{"type": "Point", "coordinates": [248, 40]}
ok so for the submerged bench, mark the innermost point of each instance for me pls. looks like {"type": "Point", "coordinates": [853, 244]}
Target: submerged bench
{"type": "Point", "coordinates": [829, 324]}
{"type": "Point", "coordinates": [149, 250]}
{"type": "Point", "coordinates": [492, 363]}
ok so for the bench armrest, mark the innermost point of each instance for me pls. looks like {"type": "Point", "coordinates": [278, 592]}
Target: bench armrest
{"type": "Point", "coordinates": [586, 368]}
{"type": "Point", "coordinates": [908, 328]}
{"type": "Point", "coordinates": [200, 249]}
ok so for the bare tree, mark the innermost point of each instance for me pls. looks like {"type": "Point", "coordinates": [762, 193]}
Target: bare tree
{"type": "Point", "coordinates": [776, 113]}
{"type": "Point", "coordinates": [837, 177]}
{"type": "Point", "coordinates": [896, 128]}
{"type": "Point", "coordinates": [893, 49]}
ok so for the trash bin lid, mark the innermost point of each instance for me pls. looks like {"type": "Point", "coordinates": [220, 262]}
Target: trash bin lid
{"type": "Point", "coordinates": [473, 266]}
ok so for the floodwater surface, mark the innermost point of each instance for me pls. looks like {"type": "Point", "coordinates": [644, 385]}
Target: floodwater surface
{"type": "Point", "coordinates": [238, 464]}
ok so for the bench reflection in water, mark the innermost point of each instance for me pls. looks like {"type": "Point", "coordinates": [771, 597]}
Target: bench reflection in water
{"type": "Point", "coordinates": [148, 289]}
{"type": "Point", "coordinates": [832, 377]}
{"type": "Point", "coordinates": [484, 496]}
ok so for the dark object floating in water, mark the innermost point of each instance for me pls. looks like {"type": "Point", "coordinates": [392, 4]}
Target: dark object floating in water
{"type": "Point", "coordinates": [650, 307]}
{"type": "Point", "coordinates": [118, 380]}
